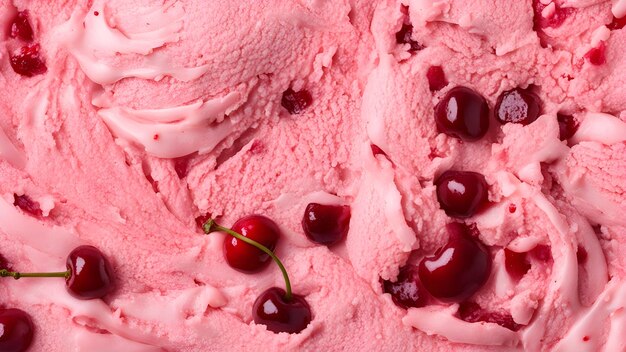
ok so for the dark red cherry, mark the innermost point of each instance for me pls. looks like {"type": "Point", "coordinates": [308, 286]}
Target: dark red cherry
{"type": "Point", "coordinates": [457, 270]}
{"type": "Point", "coordinates": [596, 56]}
{"type": "Point", "coordinates": [91, 275]}
{"type": "Point", "coordinates": [406, 291]}
{"type": "Point", "coordinates": [326, 224]}
{"type": "Point", "coordinates": [20, 27]}
{"type": "Point", "coordinates": [296, 102]}
{"type": "Point", "coordinates": [245, 257]}
{"type": "Point", "coordinates": [436, 78]}
{"type": "Point", "coordinates": [16, 330]}
{"type": "Point", "coordinates": [28, 205]}
{"type": "Point", "coordinates": [462, 113]}
{"type": "Point", "coordinates": [517, 106]}
{"type": "Point", "coordinates": [461, 193]}
{"type": "Point", "coordinates": [471, 312]}
{"type": "Point", "coordinates": [27, 61]}
{"type": "Point", "coordinates": [556, 20]}
{"type": "Point", "coordinates": [516, 264]}
{"type": "Point", "coordinates": [403, 36]}
{"type": "Point", "coordinates": [280, 315]}
{"type": "Point", "coordinates": [617, 23]}
{"type": "Point", "coordinates": [567, 126]}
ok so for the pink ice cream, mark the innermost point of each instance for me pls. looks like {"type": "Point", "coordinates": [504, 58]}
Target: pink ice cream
{"type": "Point", "coordinates": [122, 122]}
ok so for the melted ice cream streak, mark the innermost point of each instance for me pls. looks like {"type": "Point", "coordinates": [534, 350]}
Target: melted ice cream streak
{"type": "Point", "coordinates": [168, 132]}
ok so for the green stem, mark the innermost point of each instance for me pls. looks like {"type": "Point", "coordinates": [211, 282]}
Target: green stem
{"type": "Point", "coordinates": [212, 226]}
{"type": "Point", "coordinates": [18, 275]}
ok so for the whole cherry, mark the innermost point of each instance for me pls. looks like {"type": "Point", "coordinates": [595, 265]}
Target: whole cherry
{"type": "Point", "coordinates": [459, 269]}
{"type": "Point", "coordinates": [462, 113]}
{"type": "Point", "coordinates": [406, 291]}
{"type": "Point", "coordinates": [16, 330]}
{"type": "Point", "coordinates": [326, 224]}
{"type": "Point", "coordinates": [279, 314]}
{"type": "Point", "coordinates": [245, 257]}
{"type": "Point", "coordinates": [280, 310]}
{"type": "Point", "coordinates": [461, 193]}
{"type": "Point", "coordinates": [89, 274]}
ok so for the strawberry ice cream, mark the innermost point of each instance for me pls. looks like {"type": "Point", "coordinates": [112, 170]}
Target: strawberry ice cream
{"type": "Point", "coordinates": [433, 175]}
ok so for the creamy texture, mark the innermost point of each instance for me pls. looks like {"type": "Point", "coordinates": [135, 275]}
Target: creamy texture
{"type": "Point", "coordinates": [144, 89]}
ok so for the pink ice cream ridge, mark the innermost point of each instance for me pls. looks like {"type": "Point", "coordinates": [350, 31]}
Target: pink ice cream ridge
{"type": "Point", "coordinates": [424, 175]}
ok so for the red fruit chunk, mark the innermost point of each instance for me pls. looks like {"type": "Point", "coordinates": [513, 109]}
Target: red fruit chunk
{"type": "Point", "coordinates": [472, 313]}
{"type": "Point", "coordinates": [462, 113]}
{"type": "Point", "coordinates": [28, 205]}
{"type": "Point", "coordinates": [516, 264]}
{"type": "Point", "coordinates": [517, 106]}
{"type": "Point", "coordinates": [457, 270]}
{"type": "Point", "coordinates": [403, 36]}
{"type": "Point", "coordinates": [279, 314]}
{"type": "Point", "coordinates": [596, 56]}
{"type": "Point", "coordinates": [296, 102]}
{"type": "Point", "coordinates": [406, 291]}
{"type": "Point", "coordinates": [436, 78]}
{"type": "Point", "coordinates": [326, 224]}
{"type": "Point", "coordinates": [91, 273]}
{"type": "Point", "coordinates": [554, 21]}
{"type": "Point", "coordinates": [567, 126]}
{"type": "Point", "coordinates": [28, 62]}
{"type": "Point", "coordinates": [617, 23]}
{"type": "Point", "coordinates": [20, 27]}
{"type": "Point", "coordinates": [16, 330]}
{"type": "Point", "coordinates": [376, 150]}
{"type": "Point", "coordinates": [245, 257]}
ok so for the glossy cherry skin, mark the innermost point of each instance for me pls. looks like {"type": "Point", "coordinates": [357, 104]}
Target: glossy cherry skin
{"type": "Point", "coordinates": [462, 113]}
{"type": "Point", "coordinates": [16, 330]}
{"type": "Point", "coordinates": [245, 257]}
{"type": "Point", "coordinates": [406, 291]}
{"type": "Point", "coordinates": [326, 224]}
{"type": "Point", "coordinates": [461, 193]}
{"type": "Point", "coordinates": [457, 270]}
{"type": "Point", "coordinates": [296, 102]}
{"type": "Point", "coordinates": [279, 315]}
{"type": "Point", "coordinates": [517, 106]}
{"type": "Point", "coordinates": [91, 275]}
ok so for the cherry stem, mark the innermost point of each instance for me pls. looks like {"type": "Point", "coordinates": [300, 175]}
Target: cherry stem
{"type": "Point", "coordinates": [212, 226]}
{"type": "Point", "coordinates": [17, 275]}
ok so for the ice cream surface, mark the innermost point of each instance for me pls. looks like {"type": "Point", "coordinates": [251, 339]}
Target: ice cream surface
{"type": "Point", "coordinates": [124, 124]}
